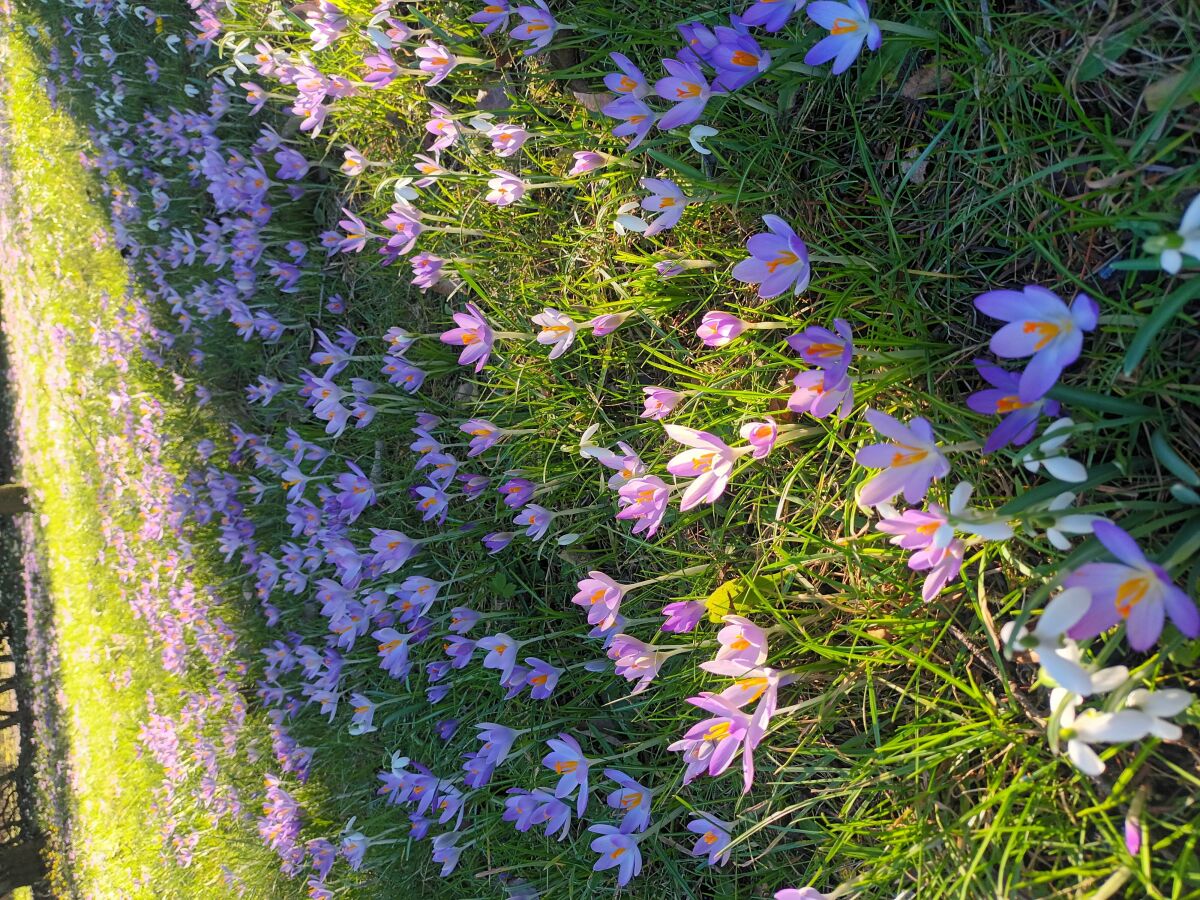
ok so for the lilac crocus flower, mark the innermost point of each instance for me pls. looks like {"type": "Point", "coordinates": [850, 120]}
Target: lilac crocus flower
{"type": "Point", "coordinates": [600, 597]}
{"type": "Point", "coordinates": [849, 25]}
{"type": "Point", "coordinates": [497, 742]}
{"type": "Point", "coordinates": [636, 119]}
{"type": "Point", "coordinates": [683, 615]}
{"type": "Point", "coordinates": [500, 653]}
{"type": "Point", "coordinates": [644, 500]}
{"type": "Point", "coordinates": [719, 328]}
{"type": "Point", "coordinates": [1041, 326]}
{"type": "Point", "coordinates": [712, 840]}
{"type": "Point", "coordinates": [660, 402]}
{"type": "Point", "coordinates": [778, 260]}
{"type": "Point", "coordinates": [1134, 590]}
{"type": "Point", "coordinates": [687, 88]}
{"type": "Point", "coordinates": [629, 81]}
{"type": "Point", "coordinates": [617, 851]}
{"type": "Point", "coordinates": [484, 435]}
{"type": "Point", "coordinates": [635, 660]}
{"type": "Point", "coordinates": [633, 799]}
{"type": "Point", "coordinates": [427, 269]}
{"type": "Point", "coordinates": [535, 520]}
{"type": "Point", "coordinates": [761, 436]}
{"type": "Point", "coordinates": [832, 351]}
{"type": "Point", "coordinates": [668, 200]}
{"type": "Point", "coordinates": [910, 463]}
{"type": "Point", "coordinates": [538, 27]}
{"type": "Point", "coordinates": [557, 331]}
{"type": "Point", "coordinates": [1020, 419]}
{"type": "Point", "coordinates": [505, 189]}
{"type": "Point", "coordinates": [462, 619]}
{"type": "Point", "coordinates": [586, 161]}
{"type": "Point", "coordinates": [542, 678]}
{"type": "Point", "coordinates": [770, 15]}
{"type": "Point", "coordinates": [606, 324]}
{"type": "Point", "coordinates": [507, 139]}
{"type": "Point", "coordinates": [474, 335]}
{"type": "Point", "coordinates": [819, 396]}
{"type": "Point", "coordinates": [709, 464]}
{"type": "Point", "coordinates": [382, 69]}
{"type": "Point", "coordinates": [497, 540]}
{"type": "Point", "coordinates": [494, 15]}
{"type": "Point", "coordinates": [566, 760]}
{"type": "Point", "coordinates": [804, 893]}
{"type": "Point", "coordinates": [711, 745]}
{"type": "Point", "coordinates": [436, 60]}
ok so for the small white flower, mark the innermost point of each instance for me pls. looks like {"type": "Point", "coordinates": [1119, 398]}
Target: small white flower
{"type": "Point", "coordinates": [1070, 524]}
{"type": "Point", "coordinates": [1185, 241]}
{"type": "Point", "coordinates": [969, 520]}
{"type": "Point", "coordinates": [1057, 654]}
{"type": "Point", "coordinates": [1158, 705]}
{"type": "Point", "coordinates": [698, 135]}
{"type": "Point", "coordinates": [1046, 454]}
{"type": "Point", "coordinates": [1092, 727]}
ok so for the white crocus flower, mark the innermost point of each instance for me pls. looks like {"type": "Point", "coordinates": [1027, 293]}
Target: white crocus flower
{"type": "Point", "coordinates": [1070, 524]}
{"type": "Point", "coordinates": [626, 221]}
{"type": "Point", "coordinates": [969, 520]}
{"type": "Point", "coordinates": [1158, 706]}
{"type": "Point", "coordinates": [1057, 654]}
{"type": "Point", "coordinates": [1047, 454]}
{"type": "Point", "coordinates": [1185, 241]}
{"type": "Point", "coordinates": [558, 331]}
{"type": "Point", "coordinates": [698, 135]}
{"type": "Point", "coordinates": [1090, 727]}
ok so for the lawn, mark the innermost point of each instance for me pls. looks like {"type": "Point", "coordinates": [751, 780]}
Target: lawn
{"type": "Point", "coordinates": [300, 537]}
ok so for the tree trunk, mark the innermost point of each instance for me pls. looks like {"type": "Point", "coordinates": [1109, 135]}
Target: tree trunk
{"type": "Point", "coordinates": [21, 866]}
{"type": "Point", "coordinates": [14, 499]}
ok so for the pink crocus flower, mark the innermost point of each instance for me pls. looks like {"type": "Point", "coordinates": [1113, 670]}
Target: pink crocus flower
{"type": "Point", "coordinates": [660, 402]}
{"type": "Point", "coordinates": [719, 328]}
{"type": "Point", "coordinates": [644, 500]}
{"type": "Point", "coordinates": [683, 615]}
{"type": "Point", "coordinates": [443, 126]}
{"type": "Point", "coordinates": [566, 760]}
{"type": "Point", "coordinates": [600, 597]}
{"type": "Point", "coordinates": [711, 745]}
{"type": "Point", "coordinates": [538, 27]}
{"type": "Point", "coordinates": [910, 463]}
{"type": "Point", "coordinates": [507, 139]}
{"type": "Point", "coordinates": [778, 260]}
{"type": "Point", "coordinates": [557, 330]}
{"type": "Point", "coordinates": [505, 189]}
{"type": "Point", "coordinates": [474, 335]}
{"type": "Point", "coordinates": [712, 839]}
{"type": "Point", "coordinates": [819, 396]}
{"type": "Point", "coordinates": [709, 464]}
{"type": "Point", "coordinates": [743, 646]}
{"type": "Point", "coordinates": [617, 851]}
{"type": "Point", "coordinates": [1132, 590]}
{"type": "Point", "coordinates": [635, 660]}
{"type": "Point", "coordinates": [608, 323]}
{"type": "Point", "coordinates": [761, 436]}
{"type": "Point", "coordinates": [804, 893]}
{"type": "Point", "coordinates": [436, 60]}
{"type": "Point", "coordinates": [586, 161]}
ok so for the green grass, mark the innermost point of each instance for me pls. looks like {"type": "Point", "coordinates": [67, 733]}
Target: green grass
{"type": "Point", "coordinates": [915, 755]}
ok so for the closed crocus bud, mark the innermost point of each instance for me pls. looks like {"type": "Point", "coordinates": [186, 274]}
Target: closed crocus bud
{"type": "Point", "coordinates": [660, 402]}
{"type": "Point", "coordinates": [719, 328]}
{"type": "Point", "coordinates": [587, 161]}
{"type": "Point", "coordinates": [607, 324]}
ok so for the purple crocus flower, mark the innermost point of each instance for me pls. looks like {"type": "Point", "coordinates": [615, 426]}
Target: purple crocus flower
{"type": "Point", "coordinates": [427, 269]}
{"type": "Point", "coordinates": [738, 58]}
{"type": "Point", "coordinates": [1134, 590]}
{"type": "Point", "coordinates": [542, 678]}
{"type": "Point", "coordinates": [668, 200]}
{"type": "Point", "coordinates": [711, 745]}
{"type": "Point", "coordinates": [1041, 326]}
{"type": "Point", "coordinates": [709, 464]}
{"type": "Point", "coordinates": [500, 653]}
{"type": "Point", "coordinates": [778, 260]}
{"type": "Point", "coordinates": [687, 88]}
{"type": "Point", "coordinates": [823, 348]}
{"type": "Point", "coordinates": [462, 619]}
{"type": "Point", "coordinates": [771, 15]}
{"type": "Point", "coordinates": [700, 43]}
{"type": "Point", "coordinates": [494, 15]}
{"type": "Point", "coordinates": [633, 799]}
{"type": "Point", "coordinates": [600, 597]}
{"type": "Point", "coordinates": [629, 81]}
{"type": "Point", "coordinates": [636, 119]}
{"type": "Point", "coordinates": [617, 851]}
{"type": "Point", "coordinates": [849, 25]}
{"type": "Point", "coordinates": [712, 840]}
{"type": "Point", "coordinates": [484, 435]}
{"type": "Point", "coordinates": [910, 463]}
{"type": "Point", "coordinates": [1020, 419]}
{"type": "Point", "coordinates": [459, 649]}
{"type": "Point", "coordinates": [381, 69]}
{"type": "Point", "coordinates": [535, 520]}
{"type": "Point", "coordinates": [761, 436]}
{"type": "Point", "coordinates": [516, 492]}
{"type": "Point", "coordinates": [474, 335]}
{"type": "Point", "coordinates": [819, 396]}
{"type": "Point", "coordinates": [497, 540]}
{"type": "Point", "coordinates": [683, 615]}
{"type": "Point", "coordinates": [538, 27]}
{"type": "Point", "coordinates": [566, 760]}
